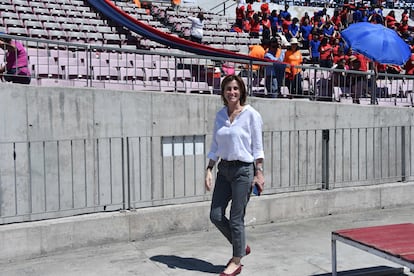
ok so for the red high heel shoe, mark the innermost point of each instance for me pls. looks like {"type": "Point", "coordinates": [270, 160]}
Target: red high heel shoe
{"type": "Point", "coordinates": [234, 273]}
{"type": "Point", "coordinates": [248, 251]}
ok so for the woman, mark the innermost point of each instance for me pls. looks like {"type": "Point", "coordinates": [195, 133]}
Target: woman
{"type": "Point", "coordinates": [293, 29]}
{"type": "Point", "coordinates": [325, 54]}
{"type": "Point", "coordinates": [16, 68]}
{"type": "Point", "coordinates": [293, 57]}
{"type": "Point", "coordinates": [197, 25]}
{"type": "Point", "coordinates": [237, 142]}
{"type": "Point", "coordinates": [390, 20]}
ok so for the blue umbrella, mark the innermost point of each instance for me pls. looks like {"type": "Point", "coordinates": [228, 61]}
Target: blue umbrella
{"type": "Point", "coordinates": [377, 43]}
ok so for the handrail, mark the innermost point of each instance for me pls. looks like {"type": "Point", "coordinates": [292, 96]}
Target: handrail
{"type": "Point", "coordinates": [225, 7]}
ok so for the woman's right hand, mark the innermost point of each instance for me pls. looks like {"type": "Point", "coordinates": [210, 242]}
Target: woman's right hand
{"type": "Point", "coordinates": [209, 180]}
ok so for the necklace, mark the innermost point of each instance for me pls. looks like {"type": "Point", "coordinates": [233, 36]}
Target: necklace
{"type": "Point", "coordinates": [234, 114]}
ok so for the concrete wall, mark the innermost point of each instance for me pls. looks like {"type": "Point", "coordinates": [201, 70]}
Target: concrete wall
{"type": "Point", "coordinates": [26, 240]}
{"type": "Point", "coordinates": [52, 179]}
{"type": "Point", "coordinates": [42, 113]}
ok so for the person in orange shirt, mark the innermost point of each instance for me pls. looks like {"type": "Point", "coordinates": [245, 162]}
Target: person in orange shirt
{"type": "Point", "coordinates": [176, 4]}
{"type": "Point", "coordinates": [293, 57]}
{"type": "Point", "coordinates": [258, 51]}
{"type": "Point", "coordinates": [137, 3]}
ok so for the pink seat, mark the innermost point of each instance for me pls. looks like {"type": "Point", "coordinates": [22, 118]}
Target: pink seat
{"type": "Point", "coordinates": [105, 73]}
{"type": "Point", "coordinates": [77, 72]}
{"type": "Point", "coordinates": [132, 73]}
{"type": "Point", "coordinates": [179, 74]}
{"type": "Point", "coordinates": [156, 74]}
{"type": "Point", "coordinates": [48, 71]}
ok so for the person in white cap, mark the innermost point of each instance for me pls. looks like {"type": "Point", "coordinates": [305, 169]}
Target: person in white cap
{"type": "Point", "coordinates": [293, 57]}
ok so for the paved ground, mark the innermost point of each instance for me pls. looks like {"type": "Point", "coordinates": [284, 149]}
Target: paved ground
{"type": "Point", "coordinates": [293, 248]}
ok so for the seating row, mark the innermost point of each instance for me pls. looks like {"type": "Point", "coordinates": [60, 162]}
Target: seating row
{"type": "Point", "coordinates": [163, 86]}
{"type": "Point", "coordinates": [106, 72]}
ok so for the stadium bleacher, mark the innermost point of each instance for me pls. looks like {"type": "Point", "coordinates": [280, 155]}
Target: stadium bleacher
{"type": "Point", "coordinates": [74, 21]}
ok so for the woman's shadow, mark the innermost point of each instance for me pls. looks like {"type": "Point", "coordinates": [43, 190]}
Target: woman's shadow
{"type": "Point", "coordinates": [194, 264]}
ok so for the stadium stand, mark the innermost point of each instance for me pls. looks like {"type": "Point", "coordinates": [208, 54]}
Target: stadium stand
{"type": "Point", "coordinates": [75, 21]}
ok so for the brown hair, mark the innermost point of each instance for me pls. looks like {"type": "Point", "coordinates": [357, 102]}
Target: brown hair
{"type": "Point", "coordinates": [201, 16]}
{"type": "Point", "coordinates": [242, 88]}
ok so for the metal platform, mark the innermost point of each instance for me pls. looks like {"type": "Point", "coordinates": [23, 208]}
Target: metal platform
{"type": "Point", "coordinates": [392, 242]}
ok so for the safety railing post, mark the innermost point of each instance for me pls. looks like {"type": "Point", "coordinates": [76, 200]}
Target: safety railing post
{"type": "Point", "coordinates": [403, 155]}
{"type": "Point", "coordinates": [325, 159]}
{"type": "Point", "coordinates": [250, 79]}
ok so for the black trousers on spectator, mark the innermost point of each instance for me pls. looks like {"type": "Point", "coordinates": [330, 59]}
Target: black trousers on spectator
{"type": "Point", "coordinates": [295, 85]}
{"type": "Point", "coordinates": [196, 39]}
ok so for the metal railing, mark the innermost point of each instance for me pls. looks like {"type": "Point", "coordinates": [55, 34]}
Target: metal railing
{"type": "Point", "coordinates": [57, 178]}
{"type": "Point", "coordinates": [169, 70]}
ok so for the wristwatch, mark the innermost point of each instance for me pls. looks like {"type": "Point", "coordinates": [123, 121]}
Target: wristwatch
{"type": "Point", "coordinates": [259, 169]}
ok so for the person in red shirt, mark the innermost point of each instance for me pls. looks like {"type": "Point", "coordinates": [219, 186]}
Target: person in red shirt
{"type": "Point", "coordinates": [240, 16]}
{"type": "Point", "coordinates": [403, 29]}
{"type": "Point", "coordinates": [265, 8]}
{"type": "Point", "coordinates": [393, 69]}
{"type": "Point", "coordinates": [409, 65]}
{"type": "Point", "coordinates": [381, 68]}
{"type": "Point", "coordinates": [255, 26]}
{"type": "Point", "coordinates": [404, 16]}
{"type": "Point", "coordinates": [363, 62]}
{"type": "Point", "coordinates": [357, 81]}
{"type": "Point", "coordinates": [340, 56]}
{"type": "Point", "coordinates": [246, 25]}
{"type": "Point", "coordinates": [390, 20]}
{"type": "Point", "coordinates": [343, 14]}
{"type": "Point", "coordinates": [250, 12]}
{"type": "Point", "coordinates": [304, 17]}
{"type": "Point", "coordinates": [266, 27]}
{"type": "Point", "coordinates": [336, 47]}
{"type": "Point", "coordinates": [326, 56]}
{"type": "Point", "coordinates": [336, 20]}
{"type": "Point", "coordinates": [285, 25]}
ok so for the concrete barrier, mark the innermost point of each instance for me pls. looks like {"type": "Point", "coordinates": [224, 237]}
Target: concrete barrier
{"type": "Point", "coordinates": [33, 239]}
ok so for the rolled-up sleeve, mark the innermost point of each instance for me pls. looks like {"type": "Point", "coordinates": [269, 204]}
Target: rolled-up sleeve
{"type": "Point", "coordinates": [214, 146]}
{"type": "Point", "coordinates": [257, 136]}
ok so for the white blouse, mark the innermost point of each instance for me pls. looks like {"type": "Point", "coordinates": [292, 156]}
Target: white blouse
{"type": "Point", "coordinates": [196, 26]}
{"type": "Point", "coordinates": [240, 140]}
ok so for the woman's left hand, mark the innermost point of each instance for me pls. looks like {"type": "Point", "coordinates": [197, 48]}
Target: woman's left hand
{"type": "Point", "coordinates": [259, 180]}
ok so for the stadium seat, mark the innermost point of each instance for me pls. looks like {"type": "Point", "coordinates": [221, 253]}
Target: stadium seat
{"type": "Point", "coordinates": [156, 74]}
{"type": "Point", "coordinates": [105, 73]}
{"type": "Point", "coordinates": [17, 31]}
{"type": "Point", "coordinates": [132, 73]}
{"type": "Point", "coordinates": [12, 22]}
{"type": "Point", "coordinates": [39, 33]}
{"type": "Point", "coordinates": [48, 71]}
{"type": "Point", "coordinates": [52, 26]}
{"type": "Point", "coordinates": [29, 17]}
{"type": "Point", "coordinates": [33, 24]}
{"type": "Point", "coordinates": [179, 74]}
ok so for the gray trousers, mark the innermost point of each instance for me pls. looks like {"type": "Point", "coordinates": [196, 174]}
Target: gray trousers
{"type": "Point", "coordinates": [233, 182]}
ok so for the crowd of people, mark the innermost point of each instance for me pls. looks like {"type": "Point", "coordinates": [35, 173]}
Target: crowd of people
{"type": "Point", "coordinates": [319, 35]}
